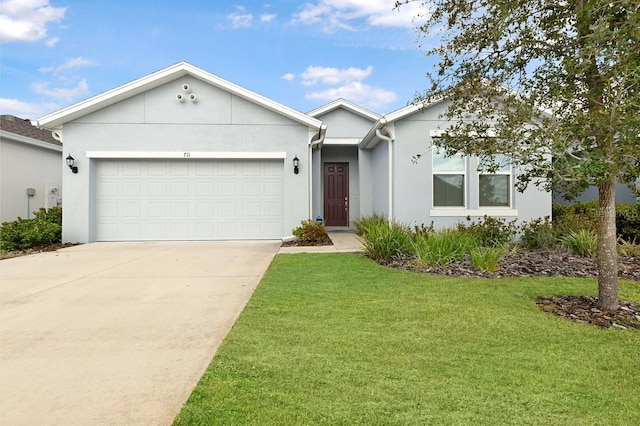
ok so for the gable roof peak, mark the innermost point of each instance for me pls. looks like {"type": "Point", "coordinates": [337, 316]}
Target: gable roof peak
{"type": "Point", "coordinates": [56, 119]}
{"type": "Point", "coordinates": [347, 105]}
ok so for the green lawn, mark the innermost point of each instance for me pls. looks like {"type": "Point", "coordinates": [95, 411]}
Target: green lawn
{"type": "Point", "coordinates": [338, 339]}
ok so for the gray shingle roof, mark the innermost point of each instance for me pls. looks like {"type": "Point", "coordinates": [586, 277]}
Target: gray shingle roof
{"type": "Point", "coordinates": [23, 127]}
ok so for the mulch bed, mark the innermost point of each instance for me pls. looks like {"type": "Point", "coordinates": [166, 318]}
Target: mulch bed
{"type": "Point", "coordinates": [42, 249]}
{"type": "Point", "coordinates": [585, 309]}
{"type": "Point", "coordinates": [554, 263]}
{"type": "Point", "coordinates": [326, 241]}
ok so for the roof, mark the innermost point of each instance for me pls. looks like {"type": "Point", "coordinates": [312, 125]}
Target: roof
{"type": "Point", "coordinates": [56, 119]}
{"type": "Point", "coordinates": [344, 104]}
{"type": "Point", "coordinates": [23, 127]}
{"type": "Point", "coordinates": [371, 138]}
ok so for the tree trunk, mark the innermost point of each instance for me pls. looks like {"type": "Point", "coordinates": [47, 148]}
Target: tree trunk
{"type": "Point", "coordinates": [607, 247]}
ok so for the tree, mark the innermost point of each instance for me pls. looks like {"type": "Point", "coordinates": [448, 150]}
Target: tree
{"type": "Point", "coordinates": [555, 86]}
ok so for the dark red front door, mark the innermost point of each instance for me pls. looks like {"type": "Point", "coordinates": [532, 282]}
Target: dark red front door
{"type": "Point", "coordinates": [336, 194]}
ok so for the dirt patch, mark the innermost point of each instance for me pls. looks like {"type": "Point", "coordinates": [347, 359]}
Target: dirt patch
{"type": "Point", "coordinates": [42, 249]}
{"type": "Point", "coordinates": [585, 309]}
{"type": "Point", "coordinates": [326, 241]}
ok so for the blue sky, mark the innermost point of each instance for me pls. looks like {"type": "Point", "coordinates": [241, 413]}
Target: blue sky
{"type": "Point", "coordinates": [302, 54]}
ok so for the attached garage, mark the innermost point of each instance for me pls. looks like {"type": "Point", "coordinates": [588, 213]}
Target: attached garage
{"type": "Point", "coordinates": [188, 199]}
{"type": "Point", "coordinates": [184, 155]}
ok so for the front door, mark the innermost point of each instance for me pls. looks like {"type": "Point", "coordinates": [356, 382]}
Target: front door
{"type": "Point", "coordinates": [336, 194]}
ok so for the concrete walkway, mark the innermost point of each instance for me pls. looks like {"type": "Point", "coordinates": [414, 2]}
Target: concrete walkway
{"type": "Point", "coordinates": [343, 242]}
{"type": "Point", "coordinates": [117, 333]}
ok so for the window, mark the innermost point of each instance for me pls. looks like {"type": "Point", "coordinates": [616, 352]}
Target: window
{"type": "Point", "coordinates": [495, 187]}
{"type": "Point", "coordinates": [448, 180]}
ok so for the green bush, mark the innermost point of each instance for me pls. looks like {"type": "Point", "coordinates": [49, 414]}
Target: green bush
{"type": "Point", "coordinates": [22, 234]}
{"type": "Point", "coordinates": [538, 233]}
{"type": "Point", "coordinates": [628, 248]}
{"type": "Point", "coordinates": [574, 218]}
{"type": "Point", "coordinates": [364, 224]}
{"type": "Point", "coordinates": [310, 232]}
{"type": "Point", "coordinates": [53, 215]}
{"type": "Point", "coordinates": [628, 221]}
{"type": "Point", "coordinates": [583, 242]}
{"type": "Point", "coordinates": [384, 242]}
{"type": "Point", "coordinates": [491, 231]}
{"type": "Point", "coordinates": [487, 258]}
{"type": "Point", "coordinates": [442, 247]}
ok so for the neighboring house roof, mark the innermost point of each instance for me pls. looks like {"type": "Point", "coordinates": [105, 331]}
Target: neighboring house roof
{"type": "Point", "coordinates": [57, 119]}
{"type": "Point", "coordinates": [21, 130]}
{"type": "Point", "coordinates": [349, 106]}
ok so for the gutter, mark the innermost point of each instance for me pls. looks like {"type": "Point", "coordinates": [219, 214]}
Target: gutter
{"type": "Point", "coordinates": [387, 137]}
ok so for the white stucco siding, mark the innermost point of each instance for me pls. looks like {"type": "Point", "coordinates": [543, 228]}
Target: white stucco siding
{"type": "Point", "coordinates": [380, 179]}
{"type": "Point", "coordinates": [156, 122]}
{"type": "Point", "coordinates": [413, 190]}
{"type": "Point", "coordinates": [345, 124]}
{"type": "Point", "coordinates": [25, 166]}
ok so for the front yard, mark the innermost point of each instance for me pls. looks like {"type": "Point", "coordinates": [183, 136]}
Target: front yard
{"type": "Point", "coordinates": [339, 339]}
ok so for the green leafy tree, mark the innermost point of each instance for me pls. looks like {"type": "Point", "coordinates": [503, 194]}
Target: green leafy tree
{"type": "Point", "coordinates": [554, 85]}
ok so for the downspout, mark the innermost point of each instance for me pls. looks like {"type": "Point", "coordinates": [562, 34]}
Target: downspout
{"type": "Point", "coordinates": [315, 142]}
{"type": "Point", "coordinates": [390, 146]}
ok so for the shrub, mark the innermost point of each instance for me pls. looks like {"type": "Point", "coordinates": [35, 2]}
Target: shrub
{"type": "Point", "coordinates": [491, 231]}
{"type": "Point", "coordinates": [423, 229]}
{"type": "Point", "coordinates": [487, 258]}
{"type": "Point", "coordinates": [574, 218]}
{"type": "Point", "coordinates": [628, 221]}
{"type": "Point", "coordinates": [628, 248]}
{"type": "Point", "coordinates": [442, 247]}
{"type": "Point", "coordinates": [22, 234]}
{"type": "Point", "coordinates": [538, 233]}
{"type": "Point", "coordinates": [52, 215]}
{"type": "Point", "coordinates": [583, 242]}
{"type": "Point", "coordinates": [384, 242]}
{"type": "Point", "coordinates": [310, 232]}
{"type": "Point", "coordinates": [363, 224]}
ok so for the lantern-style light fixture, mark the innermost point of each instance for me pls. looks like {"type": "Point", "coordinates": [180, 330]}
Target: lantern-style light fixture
{"type": "Point", "coordinates": [70, 162]}
{"type": "Point", "coordinates": [296, 163]}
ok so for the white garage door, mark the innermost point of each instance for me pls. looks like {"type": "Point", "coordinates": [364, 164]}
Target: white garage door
{"type": "Point", "coordinates": [138, 200]}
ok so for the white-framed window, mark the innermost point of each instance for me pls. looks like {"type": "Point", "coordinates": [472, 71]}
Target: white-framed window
{"type": "Point", "coordinates": [494, 188]}
{"type": "Point", "coordinates": [449, 180]}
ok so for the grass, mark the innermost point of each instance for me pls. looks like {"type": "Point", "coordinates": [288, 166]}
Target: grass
{"type": "Point", "coordinates": [337, 339]}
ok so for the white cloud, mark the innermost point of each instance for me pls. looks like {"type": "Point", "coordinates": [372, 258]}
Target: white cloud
{"type": "Point", "coordinates": [240, 19]}
{"type": "Point", "coordinates": [42, 88]}
{"type": "Point", "coordinates": [346, 83]}
{"type": "Point", "coordinates": [24, 109]}
{"type": "Point", "coordinates": [52, 41]}
{"type": "Point", "coordinates": [70, 64]}
{"type": "Point", "coordinates": [334, 15]}
{"type": "Point", "coordinates": [356, 92]}
{"type": "Point", "coordinates": [27, 20]}
{"type": "Point", "coordinates": [330, 75]}
{"type": "Point", "coordinates": [267, 17]}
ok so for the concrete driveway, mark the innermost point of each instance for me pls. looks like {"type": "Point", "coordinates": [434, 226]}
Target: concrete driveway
{"type": "Point", "coordinates": [117, 333]}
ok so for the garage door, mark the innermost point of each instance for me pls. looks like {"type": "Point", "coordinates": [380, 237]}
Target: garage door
{"type": "Point", "coordinates": [138, 200]}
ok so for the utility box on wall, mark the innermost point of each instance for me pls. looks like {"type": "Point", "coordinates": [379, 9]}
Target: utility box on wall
{"type": "Point", "coordinates": [52, 198]}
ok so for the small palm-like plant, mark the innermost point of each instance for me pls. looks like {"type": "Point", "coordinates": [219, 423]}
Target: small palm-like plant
{"type": "Point", "coordinates": [488, 258]}
{"type": "Point", "coordinates": [583, 242]}
{"type": "Point", "coordinates": [442, 247]}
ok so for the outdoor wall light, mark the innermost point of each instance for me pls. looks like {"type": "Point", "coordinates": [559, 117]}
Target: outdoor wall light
{"type": "Point", "coordinates": [70, 162]}
{"type": "Point", "coordinates": [296, 163]}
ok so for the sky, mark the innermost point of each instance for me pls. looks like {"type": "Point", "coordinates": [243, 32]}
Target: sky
{"type": "Point", "coordinates": [303, 54]}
